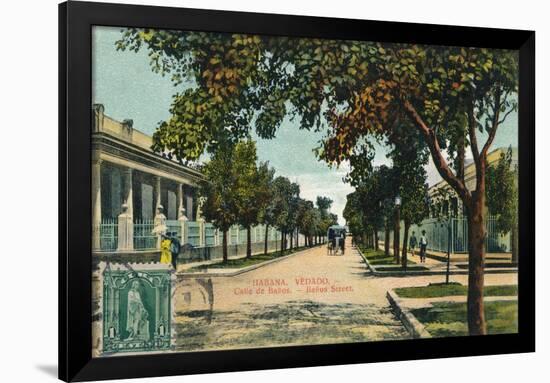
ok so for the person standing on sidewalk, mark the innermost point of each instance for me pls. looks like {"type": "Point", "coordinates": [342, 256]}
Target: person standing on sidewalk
{"type": "Point", "coordinates": [423, 246]}
{"type": "Point", "coordinates": [413, 242]}
{"type": "Point", "coordinates": [165, 254]}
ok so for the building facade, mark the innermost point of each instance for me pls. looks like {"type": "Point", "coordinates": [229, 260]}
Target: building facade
{"type": "Point", "coordinates": [129, 184]}
{"type": "Point", "coordinates": [447, 226]}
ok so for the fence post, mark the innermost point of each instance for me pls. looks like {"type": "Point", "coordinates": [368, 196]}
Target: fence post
{"type": "Point", "coordinates": [159, 224]}
{"type": "Point", "coordinates": [125, 230]}
{"type": "Point", "coordinates": [202, 233]}
{"type": "Point", "coordinates": [182, 220]}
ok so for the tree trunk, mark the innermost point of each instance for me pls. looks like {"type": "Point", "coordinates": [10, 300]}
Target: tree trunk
{"type": "Point", "coordinates": [476, 260]}
{"type": "Point", "coordinates": [224, 245]}
{"type": "Point", "coordinates": [376, 244]}
{"type": "Point", "coordinates": [514, 236]}
{"type": "Point", "coordinates": [396, 236]}
{"type": "Point", "coordinates": [460, 154]}
{"type": "Point", "coordinates": [291, 235]}
{"type": "Point", "coordinates": [405, 242]}
{"type": "Point", "coordinates": [387, 240]}
{"type": "Point", "coordinates": [265, 238]}
{"type": "Point", "coordinates": [248, 242]}
{"type": "Point", "coordinates": [282, 242]}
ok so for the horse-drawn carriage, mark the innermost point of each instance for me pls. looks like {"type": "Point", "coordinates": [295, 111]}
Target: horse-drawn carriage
{"type": "Point", "coordinates": [336, 236]}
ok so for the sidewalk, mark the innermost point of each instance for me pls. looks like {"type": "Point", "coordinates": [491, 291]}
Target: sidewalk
{"type": "Point", "coordinates": [438, 257]}
{"type": "Point", "coordinates": [183, 267]}
{"type": "Point", "coordinates": [436, 263]}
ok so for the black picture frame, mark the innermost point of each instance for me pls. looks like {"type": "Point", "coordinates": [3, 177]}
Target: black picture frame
{"type": "Point", "coordinates": [75, 268]}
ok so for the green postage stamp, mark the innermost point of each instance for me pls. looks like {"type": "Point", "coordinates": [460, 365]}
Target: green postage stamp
{"type": "Point", "coordinates": [136, 311]}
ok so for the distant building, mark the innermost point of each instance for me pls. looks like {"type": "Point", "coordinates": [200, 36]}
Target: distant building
{"type": "Point", "coordinates": [443, 198]}
{"type": "Point", "coordinates": [447, 208]}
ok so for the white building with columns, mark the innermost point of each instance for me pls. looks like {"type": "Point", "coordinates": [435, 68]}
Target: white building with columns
{"type": "Point", "coordinates": [130, 182]}
{"type": "Point", "coordinates": [125, 171]}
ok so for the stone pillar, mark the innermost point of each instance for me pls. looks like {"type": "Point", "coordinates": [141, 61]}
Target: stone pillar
{"type": "Point", "coordinates": [157, 193]}
{"type": "Point", "coordinates": [182, 220]}
{"type": "Point", "coordinates": [159, 223]}
{"type": "Point", "coordinates": [96, 203]}
{"type": "Point", "coordinates": [189, 204]}
{"type": "Point", "coordinates": [99, 116]}
{"type": "Point", "coordinates": [128, 191]}
{"type": "Point", "coordinates": [201, 221]}
{"type": "Point", "coordinates": [125, 230]}
{"type": "Point", "coordinates": [179, 196]}
{"type": "Point", "coordinates": [202, 232]}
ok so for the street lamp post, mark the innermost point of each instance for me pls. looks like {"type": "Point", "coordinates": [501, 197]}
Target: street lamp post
{"type": "Point", "coordinates": [396, 229]}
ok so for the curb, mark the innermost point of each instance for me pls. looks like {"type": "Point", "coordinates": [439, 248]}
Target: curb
{"type": "Point", "coordinates": [242, 270]}
{"type": "Point", "coordinates": [413, 326]}
{"type": "Point", "coordinates": [371, 268]}
{"type": "Point", "coordinates": [377, 273]}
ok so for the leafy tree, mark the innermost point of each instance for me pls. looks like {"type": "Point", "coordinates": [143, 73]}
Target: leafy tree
{"type": "Point", "coordinates": [293, 203]}
{"type": "Point", "coordinates": [410, 156]}
{"type": "Point", "coordinates": [447, 94]}
{"type": "Point", "coordinates": [251, 188]}
{"type": "Point", "coordinates": [284, 192]}
{"type": "Point", "coordinates": [267, 214]}
{"type": "Point", "coordinates": [502, 198]}
{"type": "Point", "coordinates": [327, 218]}
{"type": "Point", "coordinates": [353, 214]}
{"type": "Point", "coordinates": [308, 219]}
{"type": "Point", "coordinates": [217, 189]}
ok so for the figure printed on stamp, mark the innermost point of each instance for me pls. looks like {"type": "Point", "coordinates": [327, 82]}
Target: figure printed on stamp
{"type": "Point", "coordinates": [137, 323]}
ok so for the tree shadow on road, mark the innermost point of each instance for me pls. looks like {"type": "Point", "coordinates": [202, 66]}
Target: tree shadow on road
{"type": "Point", "coordinates": [290, 323]}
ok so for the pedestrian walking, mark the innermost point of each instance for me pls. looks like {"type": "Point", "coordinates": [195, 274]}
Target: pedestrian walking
{"type": "Point", "coordinates": [413, 242]}
{"type": "Point", "coordinates": [175, 248]}
{"type": "Point", "coordinates": [423, 246]}
{"type": "Point", "coordinates": [165, 254]}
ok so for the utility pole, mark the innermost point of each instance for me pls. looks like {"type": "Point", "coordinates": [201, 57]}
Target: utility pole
{"type": "Point", "coordinates": [396, 228]}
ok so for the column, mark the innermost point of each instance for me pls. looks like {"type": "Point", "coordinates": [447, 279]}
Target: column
{"type": "Point", "coordinates": [182, 220]}
{"type": "Point", "coordinates": [96, 204]}
{"type": "Point", "coordinates": [180, 208]}
{"type": "Point", "coordinates": [157, 193]}
{"type": "Point", "coordinates": [125, 230]}
{"type": "Point", "coordinates": [128, 191]}
{"type": "Point", "coordinates": [189, 204]}
{"type": "Point", "coordinates": [126, 218]}
{"type": "Point", "coordinates": [202, 232]}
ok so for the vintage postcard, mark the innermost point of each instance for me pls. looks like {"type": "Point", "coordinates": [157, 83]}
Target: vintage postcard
{"type": "Point", "coordinates": [255, 191]}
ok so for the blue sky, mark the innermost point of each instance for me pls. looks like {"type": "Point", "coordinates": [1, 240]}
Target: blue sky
{"type": "Point", "coordinates": [124, 83]}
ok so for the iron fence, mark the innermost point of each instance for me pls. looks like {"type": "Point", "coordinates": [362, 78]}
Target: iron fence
{"type": "Point", "coordinates": [209, 234]}
{"type": "Point", "coordinates": [438, 235]}
{"type": "Point", "coordinates": [173, 228]}
{"type": "Point", "coordinates": [144, 239]}
{"type": "Point", "coordinates": [193, 233]}
{"type": "Point", "coordinates": [108, 234]}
